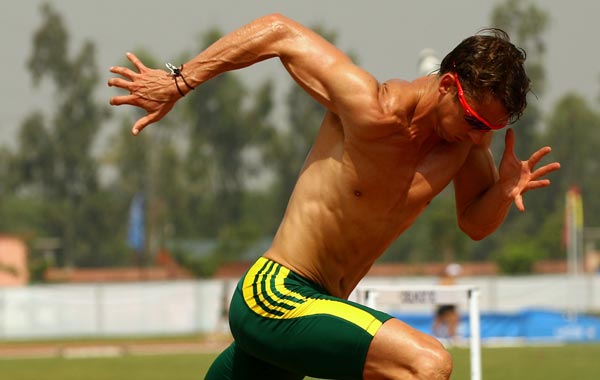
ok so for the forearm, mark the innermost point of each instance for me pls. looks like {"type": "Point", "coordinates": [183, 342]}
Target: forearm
{"type": "Point", "coordinates": [252, 43]}
{"type": "Point", "coordinates": [485, 213]}
{"type": "Point", "coordinates": [304, 54]}
{"type": "Point", "coordinates": [315, 64]}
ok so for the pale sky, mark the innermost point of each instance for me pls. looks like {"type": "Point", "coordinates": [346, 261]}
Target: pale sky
{"type": "Point", "coordinates": [387, 37]}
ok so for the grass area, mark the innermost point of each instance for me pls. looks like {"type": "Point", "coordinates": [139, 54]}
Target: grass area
{"type": "Point", "coordinates": [163, 367]}
{"type": "Point", "coordinates": [579, 362]}
{"type": "Point", "coordinates": [189, 338]}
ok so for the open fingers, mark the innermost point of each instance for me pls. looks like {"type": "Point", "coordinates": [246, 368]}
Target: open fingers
{"type": "Point", "coordinates": [538, 155]}
{"type": "Point", "coordinates": [532, 185]}
{"type": "Point", "coordinates": [123, 99]}
{"type": "Point", "coordinates": [121, 83]}
{"type": "Point", "coordinates": [544, 170]}
{"type": "Point", "coordinates": [123, 71]}
{"type": "Point", "coordinates": [136, 62]}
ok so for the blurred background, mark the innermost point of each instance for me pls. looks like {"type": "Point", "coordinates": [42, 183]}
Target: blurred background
{"type": "Point", "coordinates": [103, 234]}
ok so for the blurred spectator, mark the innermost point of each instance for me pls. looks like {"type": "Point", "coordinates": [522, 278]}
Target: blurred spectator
{"type": "Point", "coordinates": [447, 318]}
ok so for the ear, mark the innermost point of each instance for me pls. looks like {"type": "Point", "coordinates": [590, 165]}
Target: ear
{"type": "Point", "coordinates": [447, 84]}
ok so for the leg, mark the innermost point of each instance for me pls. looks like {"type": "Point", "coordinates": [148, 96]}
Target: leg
{"type": "Point", "coordinates": [235, 364]}
{"type": "Point", "coordinates": [400, 352]}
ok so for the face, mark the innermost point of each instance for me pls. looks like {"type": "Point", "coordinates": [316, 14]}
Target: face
{"type": "Point", "coordinates": [473, 120]}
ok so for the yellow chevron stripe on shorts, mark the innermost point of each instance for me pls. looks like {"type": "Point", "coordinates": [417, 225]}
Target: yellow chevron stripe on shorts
{"type": "Point", "coordinates": [265, 293]}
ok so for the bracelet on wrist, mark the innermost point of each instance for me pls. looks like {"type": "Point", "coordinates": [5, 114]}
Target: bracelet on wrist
{"type": "Point", "coordinates": [176, 72]}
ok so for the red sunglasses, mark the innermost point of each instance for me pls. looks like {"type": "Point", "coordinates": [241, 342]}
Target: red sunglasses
{"type": "Point", "coordinates": [471, 117]}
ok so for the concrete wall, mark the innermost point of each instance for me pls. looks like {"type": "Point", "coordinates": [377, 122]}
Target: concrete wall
{"type": "Point", "coordinates": [183, 307]}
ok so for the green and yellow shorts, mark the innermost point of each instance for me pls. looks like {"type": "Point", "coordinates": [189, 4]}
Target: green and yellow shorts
{"type": "Point", "coordinates": [287, 327]}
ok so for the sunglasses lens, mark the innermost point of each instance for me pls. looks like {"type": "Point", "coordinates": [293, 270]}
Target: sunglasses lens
{"type": "Point", "coordinates": [476, 124]}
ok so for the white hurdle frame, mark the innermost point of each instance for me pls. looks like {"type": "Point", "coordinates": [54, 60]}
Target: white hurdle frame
{"type": "Point", "coordinates": [435, 295]}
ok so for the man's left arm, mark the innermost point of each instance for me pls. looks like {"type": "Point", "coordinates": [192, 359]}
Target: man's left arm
{"type": "Point", "coordinates": [484, 194]}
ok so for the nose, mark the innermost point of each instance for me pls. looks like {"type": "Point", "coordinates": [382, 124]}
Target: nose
{"type": "Point", "coordinates": [476, 136]}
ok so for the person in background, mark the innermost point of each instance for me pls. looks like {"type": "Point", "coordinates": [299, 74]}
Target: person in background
{"type": "Point", "coordinates": [447, 318]}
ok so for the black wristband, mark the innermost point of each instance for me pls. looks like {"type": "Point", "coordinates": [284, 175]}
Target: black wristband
{"type": "Point", "coordinates": [177, 85]}
{"type": "Point", "coordinates": [183, 78]}
{"type": "Point", "coordinates": [176, 73]}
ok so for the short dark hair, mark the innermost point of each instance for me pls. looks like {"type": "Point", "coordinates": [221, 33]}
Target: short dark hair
{"type": "Point", "coordinates": [488, 63]}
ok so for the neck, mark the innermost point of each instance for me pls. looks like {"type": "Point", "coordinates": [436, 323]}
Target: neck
{"type": "Point", "coordinates": [423, 124]}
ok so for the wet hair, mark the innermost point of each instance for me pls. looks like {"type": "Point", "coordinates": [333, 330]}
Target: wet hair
{"type": "Point", "coordinates": [489, 64]}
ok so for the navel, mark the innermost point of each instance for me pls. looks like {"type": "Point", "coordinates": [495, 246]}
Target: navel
{"type": "Point", "coordinates": [357, 193]}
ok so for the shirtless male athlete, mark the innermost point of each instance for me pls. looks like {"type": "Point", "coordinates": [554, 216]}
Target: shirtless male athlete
{"type": "Point", "coordinates": [383, 151]}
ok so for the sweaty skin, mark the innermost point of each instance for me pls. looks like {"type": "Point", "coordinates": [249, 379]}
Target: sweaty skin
{"type": "Point", "coordinates": [383, 151]}
{"type": "Point", "coordinates": [357, 192]}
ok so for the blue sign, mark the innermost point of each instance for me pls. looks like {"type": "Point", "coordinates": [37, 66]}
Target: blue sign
{"type": "Point", "coordinates": [530, 325]}
{"type": "Point", "coordinates": [135, 231]}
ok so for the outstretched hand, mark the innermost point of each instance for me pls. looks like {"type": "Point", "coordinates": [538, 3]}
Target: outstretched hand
{"type": "Point", "coordinates": [150, 89]}
{"type": "Point", "coordinates": [517, 177]}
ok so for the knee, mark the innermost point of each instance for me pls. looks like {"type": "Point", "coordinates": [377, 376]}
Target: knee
{"type": "Point", "coordinates": [401, 352]}
{"type": "Point", "coordinates": [433, 364]}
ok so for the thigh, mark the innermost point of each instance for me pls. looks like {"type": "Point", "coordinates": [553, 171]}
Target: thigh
{"type": "Point", "coordinates": [236, 364]}
{"type": "Point", "coordinates": [320, 345]}
{"type": "Point", "coordinates": [291, 323]}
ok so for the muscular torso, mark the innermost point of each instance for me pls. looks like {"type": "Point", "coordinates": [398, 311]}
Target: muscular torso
{"type": "Point", "coordinates": [355, 195]}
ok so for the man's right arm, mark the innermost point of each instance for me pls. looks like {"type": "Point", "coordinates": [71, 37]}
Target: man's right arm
{"type": "Point", "coordinates": [320, 68]}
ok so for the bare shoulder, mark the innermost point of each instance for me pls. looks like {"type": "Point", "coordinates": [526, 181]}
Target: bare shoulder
{"type": "Point", "coordinates": [398, 98]}
{"type": "Point", "coordinates": [389, 113]}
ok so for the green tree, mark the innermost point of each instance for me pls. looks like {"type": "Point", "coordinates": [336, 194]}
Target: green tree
{"type": "Point", "coordinates": [526, 23]}
{"type": "Point", "coordinates": [222, 130]}
{"type": "Point", "coordinates": [518, 257]}
{"type": "Point", "coordinates": [54, 158]}
{"type": "Point", "coordinates": [146, 165]}
{"type": "Point", "coordinates": [193, 168]}
{"type": "Point", "coordinates": [200, 169]}
{"type": "Point", "coordinates": [573, 131]}
{"type": "Point", "coordinates": [7, 183]}
{"type": "Point", "coordinates": [574, 134]}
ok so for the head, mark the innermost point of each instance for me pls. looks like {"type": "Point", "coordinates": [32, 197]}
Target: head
{"type": "Point", "coordinates": [488, 66]}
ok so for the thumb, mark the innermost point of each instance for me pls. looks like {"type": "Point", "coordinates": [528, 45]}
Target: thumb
{"type": "Point", "coordinates": [519, 203]}
{"type": "Point", "coordinates": [509, 141]}
{"type": "Point", "coordinates": [140, 124]}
